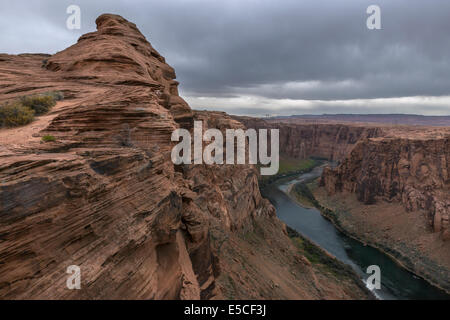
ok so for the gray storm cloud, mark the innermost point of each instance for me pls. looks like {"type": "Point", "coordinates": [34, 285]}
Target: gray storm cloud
{"type": "Point", "coordinates": [273, 56]}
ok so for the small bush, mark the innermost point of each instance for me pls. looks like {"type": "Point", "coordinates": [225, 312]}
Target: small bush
{"type": "Point", "coordinates": [39, 103]}
{"type": "Point", "coordinates": [48, 138]}
{"type": "Point", "coordinates": [15, 114]}
{"type": "Point", "coordinates": [22, 111]}
{"type": "Point", "coordinates": [57, 95]}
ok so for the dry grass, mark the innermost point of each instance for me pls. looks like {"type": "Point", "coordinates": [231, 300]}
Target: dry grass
{"type": "Point", "coordinates": [22, 111]}
{"type": "Point", "coordinates": [15, 114]}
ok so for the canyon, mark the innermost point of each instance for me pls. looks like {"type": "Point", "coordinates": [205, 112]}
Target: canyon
{"type": "Point", "coordinates": [104, 194]}
{"type": "Point", "coordinates": [390, 187]}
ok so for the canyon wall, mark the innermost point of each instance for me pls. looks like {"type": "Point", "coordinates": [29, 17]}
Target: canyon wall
{"type": "Point", "coordinates": [105, 195]}
{"type": "Point", "coordinates": [409, 165]}
{"type": "Point", "coordinates": [329, 141]}
{"type": "Point", "coordinates": [415, 172]}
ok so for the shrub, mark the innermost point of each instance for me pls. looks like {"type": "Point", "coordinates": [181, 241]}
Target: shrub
{"type": "Point", "coordinates": [14, 114]}
{"type": "Point", "coordinates": [22, 111]}
{"type": "Point", "coordinates": [48, 138]}
{"type": "Point", "coordinates": [39, 103]}
{"type": "Point", "coordinates": [57, 95]}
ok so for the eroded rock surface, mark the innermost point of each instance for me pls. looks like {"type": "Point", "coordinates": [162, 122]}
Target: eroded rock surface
{"type": "Point", "coordinates": [414, 172]}
{"type": "Point", "coordinates": [105, 195]}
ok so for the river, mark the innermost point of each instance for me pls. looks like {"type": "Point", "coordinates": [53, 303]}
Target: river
{"type": "Point", "coordinates": [396, 282]}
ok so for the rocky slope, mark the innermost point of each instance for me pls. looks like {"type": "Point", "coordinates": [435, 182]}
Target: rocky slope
{"type": "Point", "coordinates": [106, 196]}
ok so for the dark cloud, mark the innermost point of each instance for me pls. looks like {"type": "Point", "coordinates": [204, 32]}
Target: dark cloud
{"type": "Point", "coordinates": [270, 50]}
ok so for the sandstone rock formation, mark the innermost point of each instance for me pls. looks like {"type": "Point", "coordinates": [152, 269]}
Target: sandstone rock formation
{"type": "Point", "coordinates": [415, 172]}
{"type": "Point", "coordinates": [322, 140]}
{"type": "Point", "coordinates": [105, 195]}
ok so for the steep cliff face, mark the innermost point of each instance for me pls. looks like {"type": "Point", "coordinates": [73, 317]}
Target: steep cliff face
{"type": "Point", "coordinates": [415, 172]}
{"type": "Point", "coordinates": [330, 141]}
{"type": "Point", "coordinates": [105, 195]}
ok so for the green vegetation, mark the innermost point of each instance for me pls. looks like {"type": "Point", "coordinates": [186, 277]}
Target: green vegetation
{"type": "Point", "coordinates": [302, 191]}
{"type": "Point", "coordinates": [48, 138]}
{"type": "Point", "coordinates": [303, 195]}
{"type": "Point", "coordinates": [290, 166]}
{"type": "Point", "coordinates": [22, 111]}
{"type": "Point", "coordinates": [57, 95]}
{"type": "Point", "coordinates": [301, 199]}
{"type": "Point", "coordinates": [14, 114]}
{"type": "Point", "coordinates": [40, 104]}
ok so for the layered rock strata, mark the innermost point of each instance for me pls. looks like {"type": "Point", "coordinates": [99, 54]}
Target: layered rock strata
{"type": "Point", "coordinates": [105, 195]}
{"type": "Point", "coordinates": [414, 172]}
{"type": "Point", "coordinates": [329, 141]}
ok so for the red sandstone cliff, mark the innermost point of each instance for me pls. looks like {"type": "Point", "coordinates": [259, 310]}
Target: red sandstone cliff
{"type": "Point", "coordinates": [106, 196]}
{"type": "Point", "coordinates": [415, 172]}
{"type": "Point", "coordinates": [323, 140]}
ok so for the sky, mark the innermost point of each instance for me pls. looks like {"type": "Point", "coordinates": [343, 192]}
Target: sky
{"type": "Point", "coordinates": [277, 57]}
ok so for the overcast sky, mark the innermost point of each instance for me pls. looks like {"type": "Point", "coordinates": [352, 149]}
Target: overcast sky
{"type": "Point", "coordinates": [275, 57]}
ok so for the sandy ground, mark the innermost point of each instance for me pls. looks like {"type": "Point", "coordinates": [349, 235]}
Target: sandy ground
{"type": "Point", "coordinates": [17, 138]}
